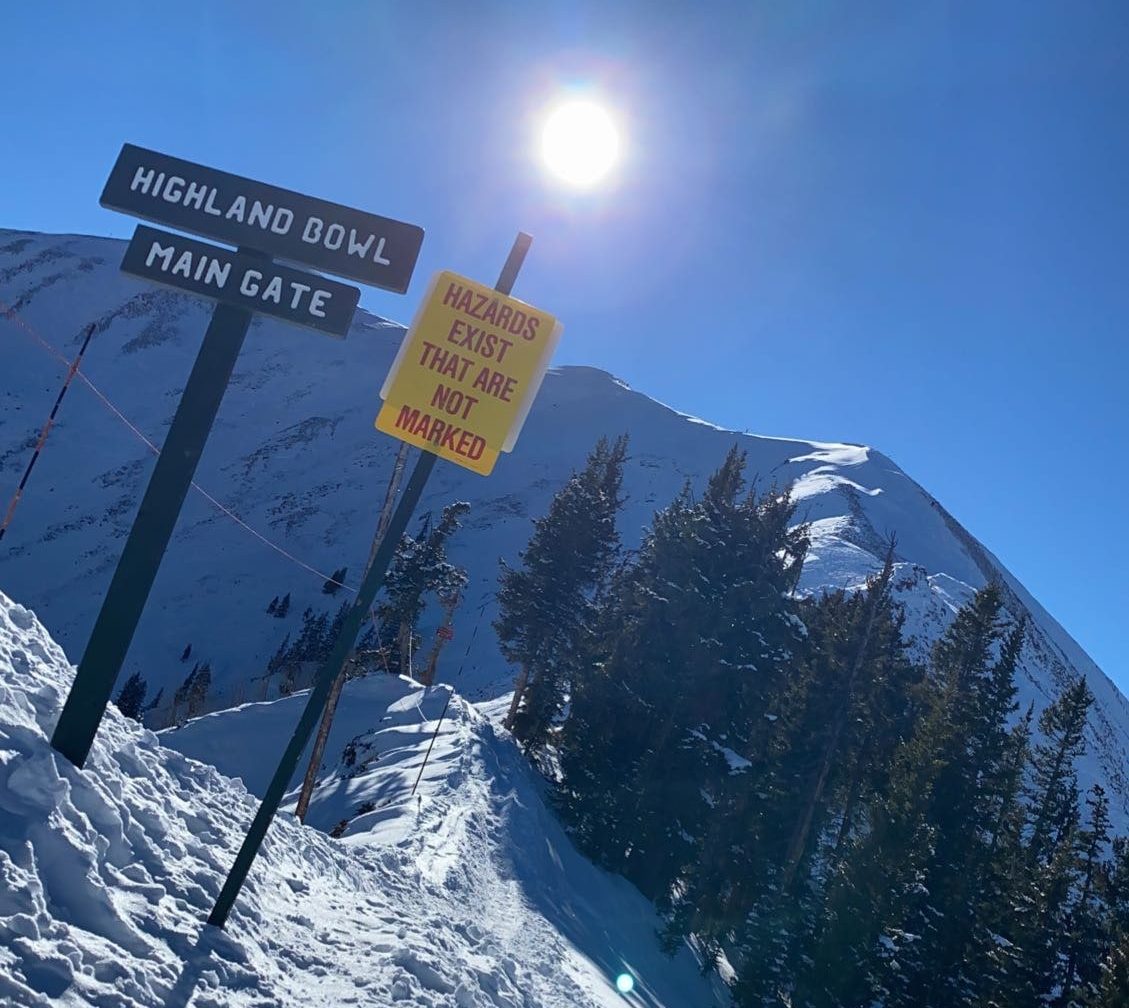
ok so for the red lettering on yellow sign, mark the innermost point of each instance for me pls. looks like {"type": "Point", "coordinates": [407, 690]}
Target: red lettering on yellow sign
{"type": "Point", "coordinates": [466, 373]}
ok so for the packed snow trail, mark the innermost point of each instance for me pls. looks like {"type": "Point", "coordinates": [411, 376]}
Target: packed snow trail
{"type": "Point", "coordinates": [107, 875]}
{"type": "Point", "coordinates": [489, 859]}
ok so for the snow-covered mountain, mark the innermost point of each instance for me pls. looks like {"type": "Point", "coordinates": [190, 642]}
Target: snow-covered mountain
{"type": "Point", "coordinates": [295, 457]}
{"type": "Point", "coordinates": [470, 897]}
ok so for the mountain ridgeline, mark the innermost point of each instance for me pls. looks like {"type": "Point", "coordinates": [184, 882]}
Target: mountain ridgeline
{"type": "Point", "coordinates": [796, 614]}
{"type": "Point", "coordinates": [295, 459]}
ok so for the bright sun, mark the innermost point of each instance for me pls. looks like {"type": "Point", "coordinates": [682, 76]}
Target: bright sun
{"type": "Point", "coordinates": [579, 142]}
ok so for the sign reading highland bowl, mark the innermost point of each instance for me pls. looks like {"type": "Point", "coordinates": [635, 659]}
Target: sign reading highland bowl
{"type": "Point", "coordinates": [262, 221]}
{"type": "Point", "coordinates": [245, 213]}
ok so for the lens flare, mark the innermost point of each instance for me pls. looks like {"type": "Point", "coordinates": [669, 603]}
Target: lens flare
{"type": "Point", "coordinates": [625, 983]}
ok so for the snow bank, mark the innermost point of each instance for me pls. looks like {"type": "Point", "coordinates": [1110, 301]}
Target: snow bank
{"type": "Point", "coordinates": [492, 862]}
{"type": "Point", "coordinates": [107, 874]}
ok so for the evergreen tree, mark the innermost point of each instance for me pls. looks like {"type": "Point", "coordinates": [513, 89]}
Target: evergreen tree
{"type": "Point", "coordinates": [850, 700]}
{"type": "Point", "coordinates": [155, 702]}
{"type": "Point", "coordinates": [272, 606]}
{"type": "Point", "coordinates": [418, 567]}
{"type": "Point", "coordinates": [179, 712]}
{"type": "Point", "coordinates": [1113, 986]}
{"type": "Point", "coordinates": [311, 639]}
{"type": "Point", "coordinates": [1113, 989]}
{"type": "Point", "coordinates": [545, 607]}
{"type": "Point", "coordinates": [288, 660]}
{"type": "Point", "coordinates": [334, 629]}
{"type": "Point", "coordinates": [187, 651]}
{"type": "Point", "coordinates": [976, 781]}
{"type": "Point", "coordinates": [673, 720]}
{"type": "Point", "coordinates": [1048, 870]}
{"type": "Point", "coordinates": [1088, 932]}
{"type": "Point", "coordinates": [877, 881]}
{"type": "Point", "coordinates": [278, 659]}
{"type": "Point", "coordinates": [198, 690]}
{"type": "Point", "coordinates": [1054, 785]}
{"type": "Point", "coordinates": [907, 904]}
{"type": "Point", "coordinates": [334, 582]}
{"type": "Point", "coordinates": [283, 607]}
{"type": "Point", "coordinates": [844, 656]}
{"type": "Point", "coordinates": [189, 699]}
{"type": "Point", "coordinates": [131, 698]}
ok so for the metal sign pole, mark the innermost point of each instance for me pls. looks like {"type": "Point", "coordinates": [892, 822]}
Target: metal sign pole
{"type": "Point", "coordinates": [331, 668]}
{"type": "Point", "coordinates": [332, 665]}
{"type": "Point", "coordinates": [150, 535]}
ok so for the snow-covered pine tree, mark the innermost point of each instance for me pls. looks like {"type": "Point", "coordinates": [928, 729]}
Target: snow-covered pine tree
{"type": "Point", "coordinates": [622, 788]}
{"type": "Point", "coordinates": [1053, 791]}
{"type": "Point", "coordinates": [664, 748]}
{"type": "Point", "coordinates": [975, 663]}
{"type": "Point", "coordinates": [178, 711]}
{"type": "Point", "coordinates": [746, 651]}
{"type": "Point", "coordinates": [844, 660]}
{"type": "Point", "coordinates": [902, 900]}
{"type": "Point", "coordinates": [197, 692]}
{"type": "Point", "coordinates": [874, 881]}
{"type": "Point", "coordinates": [848, 704]}
{"type": "Point", "coordinates": [131, 698]}
{"type": "Point", "coordinates": [1113, 990]}
{"type": "Point", "coordinates": [1048, 870]}
{"type": "Point", "coordinates": [309, 637]}
{"type": "Point", "coordinates": [333, 631]}
{"type": "Point", "coordinates": [418, 567]}
{"type": "Point", "coordinates": [334, 582]}
{"type": "Point", "coordinates": [155, 702]}
{"type": "Point", "coordinates": [545, 606]}
{"type": "Point", "coordinates": [1087, 937]}
{"type": "Point", "coordinates": [1113, 986]}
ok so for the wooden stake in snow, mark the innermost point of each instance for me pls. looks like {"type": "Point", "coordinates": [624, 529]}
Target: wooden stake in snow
{"type": "Point", "coordinates": [442, 636]}
{"type": "Point", "coordinates": [46, 430]}
{"type": "Point", "coordinates": [335, 693]}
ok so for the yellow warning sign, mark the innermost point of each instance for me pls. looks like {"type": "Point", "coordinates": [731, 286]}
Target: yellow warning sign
{"type": "Point", "coordinates": [467, 372]}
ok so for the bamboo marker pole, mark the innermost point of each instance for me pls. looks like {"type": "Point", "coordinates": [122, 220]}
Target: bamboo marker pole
{"type": "Point", "coordinates": [322, 738]}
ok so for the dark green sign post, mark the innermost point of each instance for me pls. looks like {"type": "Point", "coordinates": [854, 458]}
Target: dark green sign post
{"type": "Point", "coordinates": [261, 220]}
{"type": "Point", "coordinates": [149, 537]}
{"type": "Point", "coordinates": [343, 646]}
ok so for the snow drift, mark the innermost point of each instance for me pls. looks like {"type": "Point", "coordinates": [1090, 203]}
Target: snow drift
{"type": "Point", "coordinates": [471, 897]}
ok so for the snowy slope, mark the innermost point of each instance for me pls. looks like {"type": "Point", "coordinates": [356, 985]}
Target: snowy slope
{"type": "Point", "coordinates": [295, 456]}
{"type": "Point", "coordinates": [475, 900]}
{"type": "Point", "coordinates": [477, 828]}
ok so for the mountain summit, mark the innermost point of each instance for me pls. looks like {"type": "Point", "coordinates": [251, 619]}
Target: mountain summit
{"type": "Point", "coordinates": [294, 474]}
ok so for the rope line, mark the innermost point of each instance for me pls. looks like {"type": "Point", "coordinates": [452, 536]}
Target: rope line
{"type": "Point", "coordinates": [12, 315]}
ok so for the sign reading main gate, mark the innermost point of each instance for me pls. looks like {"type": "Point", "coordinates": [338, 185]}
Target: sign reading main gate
{"type": "Point", "coordinates": [261, 221]}
{"type": "Point", "coordinates": [242, 280]}
{"type": "Point", "coordinates": [240, 211]}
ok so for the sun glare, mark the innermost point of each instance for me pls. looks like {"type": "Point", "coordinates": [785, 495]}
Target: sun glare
{"type": "Point", "coordinates": [580, 142]}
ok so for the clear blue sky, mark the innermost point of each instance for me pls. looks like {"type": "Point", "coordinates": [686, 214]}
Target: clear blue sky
{"type": "Point", "coordinates": [905, 225]}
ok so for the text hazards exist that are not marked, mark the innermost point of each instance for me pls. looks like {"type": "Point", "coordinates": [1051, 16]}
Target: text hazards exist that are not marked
{"type": "Point", "coordinates": [241, 280]}
{"type": "Point", "coordinates": [467, 372]}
